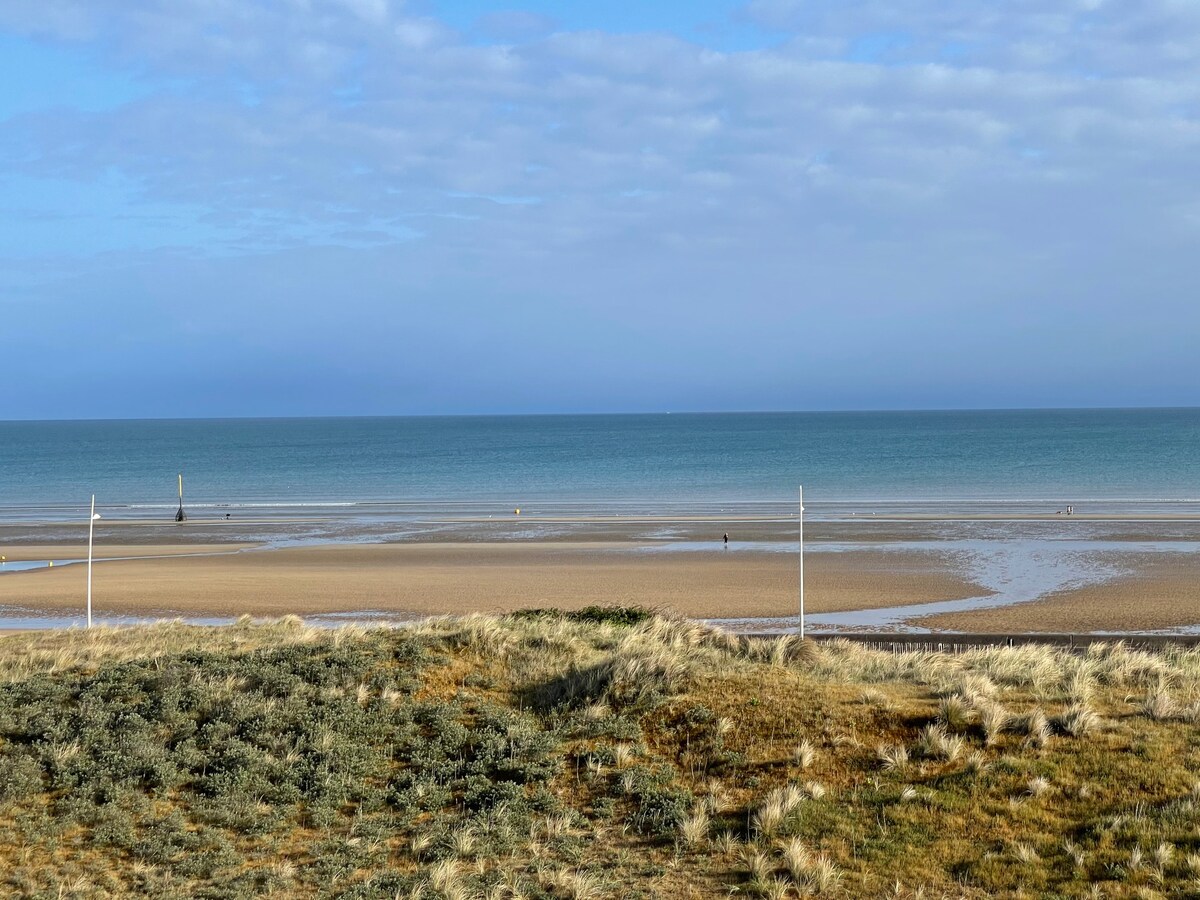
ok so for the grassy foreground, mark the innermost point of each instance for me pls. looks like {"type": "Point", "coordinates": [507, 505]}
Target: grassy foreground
{"type": "Point", "coordinates": [588, 756]}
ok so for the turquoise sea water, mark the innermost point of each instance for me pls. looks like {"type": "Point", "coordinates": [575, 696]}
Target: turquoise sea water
{"type": "Point", "coordinates": [1098, 460]}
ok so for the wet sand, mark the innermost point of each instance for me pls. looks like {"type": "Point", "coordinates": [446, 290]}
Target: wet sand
{"type": "Point", "coordinates": [456, 578]}
{"type": "Point", "coordinates": [1160, 593]}
{"type": "Point", "coordinates": [71, 552]}
{"type": "Point", "coordinates": [549, 528]}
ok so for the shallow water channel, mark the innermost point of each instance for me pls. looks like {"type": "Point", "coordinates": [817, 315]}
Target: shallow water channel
{"type": "Point", "coordinates": [1013, 571]}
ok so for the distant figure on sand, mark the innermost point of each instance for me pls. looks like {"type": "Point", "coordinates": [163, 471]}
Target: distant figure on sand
{"type": "Point", "coordinates": [727, 539]}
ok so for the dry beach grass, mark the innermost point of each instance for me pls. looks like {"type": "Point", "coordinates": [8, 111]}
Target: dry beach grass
{"type": "Point", "coordinates": [595, 755]}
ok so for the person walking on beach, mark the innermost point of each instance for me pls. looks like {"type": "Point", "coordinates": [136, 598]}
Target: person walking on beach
{"type": "Point", "coordinates": [727, 539]}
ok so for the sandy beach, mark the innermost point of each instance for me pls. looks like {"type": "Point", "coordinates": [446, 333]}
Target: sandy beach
{"type": "Point", "coordinates": [433, 579]}
{"type": "Point", "coordinates": [1014, 577]}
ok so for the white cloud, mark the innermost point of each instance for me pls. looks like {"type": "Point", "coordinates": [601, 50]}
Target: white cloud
{"type": "Point", "coordinates": [594, 114]}
{"type": "Point", "coordinates": [372, 11]}
{"type": "Point", "coordinates": [419, 34]}
{"type": "Point", "coordinates": [985, 158]}
{"type": "Point", "coordinates": [515, 25]}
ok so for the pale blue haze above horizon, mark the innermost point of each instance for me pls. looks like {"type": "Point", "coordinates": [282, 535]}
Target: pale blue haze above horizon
{"type": "Point", "coordinates": [371, 207]}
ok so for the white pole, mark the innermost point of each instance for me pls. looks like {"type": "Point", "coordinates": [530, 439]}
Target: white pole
{"type": "Point", "coordinates": [91, 527]}
{"type": "Point", "coordinates": [801, 562]}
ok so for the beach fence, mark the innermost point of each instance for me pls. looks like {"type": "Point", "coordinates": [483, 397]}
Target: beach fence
{"type": "Point", "coordinates": [908, 642]}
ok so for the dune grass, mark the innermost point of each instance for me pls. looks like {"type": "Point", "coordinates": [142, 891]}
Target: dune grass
{"type": "Point", "coordinates": [610, 755]}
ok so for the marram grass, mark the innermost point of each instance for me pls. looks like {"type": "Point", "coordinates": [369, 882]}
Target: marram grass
{"type": "Point", "coordinates": [610, 755]}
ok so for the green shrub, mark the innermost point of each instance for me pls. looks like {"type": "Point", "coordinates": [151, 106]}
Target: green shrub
{"type": "Point", "coordinates": [660, 805]}
{"type": "Point", "coordinates": [20, 776]}
{"type": "Point", "coordinates": [597, 615]}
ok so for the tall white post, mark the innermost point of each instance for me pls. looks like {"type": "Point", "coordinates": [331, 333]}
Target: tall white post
{"type": "Point", "coordinates": [91, 527]}
{"type": "Point", "coordinates": [801, 562]}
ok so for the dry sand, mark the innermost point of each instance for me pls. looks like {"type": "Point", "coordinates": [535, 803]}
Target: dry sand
{"type": "Point", "coordinates": [1162, 593]}
{"type": "Point", "coordinates": [427, 579]}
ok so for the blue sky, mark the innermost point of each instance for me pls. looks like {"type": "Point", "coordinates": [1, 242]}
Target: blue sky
{"type": "Point", "coordinates": [305, 207]}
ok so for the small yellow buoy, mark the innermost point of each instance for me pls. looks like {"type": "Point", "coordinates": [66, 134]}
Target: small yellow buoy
{"type": "Point", "coordinates": [517, 511]}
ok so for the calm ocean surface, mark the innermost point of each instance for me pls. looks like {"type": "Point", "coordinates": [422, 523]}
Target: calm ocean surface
{"type": "Point", "coordinates": [903, 462]}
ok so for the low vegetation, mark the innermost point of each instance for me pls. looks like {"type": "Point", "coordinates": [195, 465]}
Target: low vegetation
{"type": "Point", "coordinates": [607, 754]}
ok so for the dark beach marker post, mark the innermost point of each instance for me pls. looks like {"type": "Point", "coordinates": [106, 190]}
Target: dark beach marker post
{"type": "Point", "coordinates": [181, 515]}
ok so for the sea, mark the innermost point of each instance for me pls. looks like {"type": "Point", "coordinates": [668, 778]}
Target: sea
{"type": "Point", "coordinates": [1121, 461]}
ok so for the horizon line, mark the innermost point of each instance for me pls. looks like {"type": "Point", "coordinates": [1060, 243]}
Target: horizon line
{"type": "Point", "coordinates": [548, 415]}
